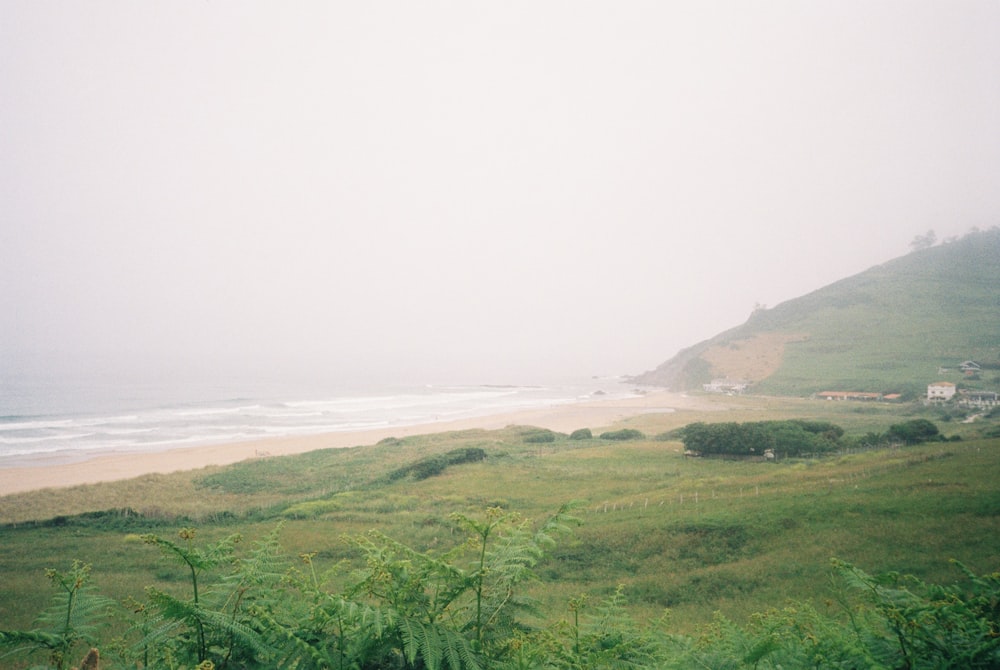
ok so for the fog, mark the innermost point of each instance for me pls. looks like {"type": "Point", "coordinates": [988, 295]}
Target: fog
{"type": "Point", "coordinates": [467, 191]}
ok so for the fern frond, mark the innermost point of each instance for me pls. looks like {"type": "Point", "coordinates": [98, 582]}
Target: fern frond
{"type": "Point", "coordinates": [292, 650]}
{"type": "Point", "coordinates": [156, 632]}
{"type": "Point", "coordinates": [37, 638]}
{"type": "Point", "coordinates": [246, 636]}
{"type": "Point", "coordinates": [436, 647]}
{"type": "Point", "coordinates": [265, 565]}
{"type": "Point", "coordinates": [172, 607]}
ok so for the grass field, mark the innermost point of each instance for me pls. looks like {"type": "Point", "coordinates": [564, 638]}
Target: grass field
{"type": "Point", "coordinates": [694, 536]}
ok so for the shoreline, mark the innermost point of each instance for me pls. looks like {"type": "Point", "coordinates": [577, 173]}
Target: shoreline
{"type": "Point", "coordinates": [32, 475]}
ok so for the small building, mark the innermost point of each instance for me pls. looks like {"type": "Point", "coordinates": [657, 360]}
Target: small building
{"type": "Point", "coordinates": [979, 398]}
{"type": "Point", "coordinates": [970, 367]}
{"type": "Point", "coordinates": [940, 391]}
{"type": "Point", "coordinates": [726, 386]}
{"type": "Point", "coordinates": [848, 395]}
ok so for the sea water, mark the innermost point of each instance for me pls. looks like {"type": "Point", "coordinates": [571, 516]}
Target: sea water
{"type": "Point", "coordinates": [45, 418]}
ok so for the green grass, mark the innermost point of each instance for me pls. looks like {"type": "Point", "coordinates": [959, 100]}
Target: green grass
{"type": "Point", "coordinates": [693, 535]}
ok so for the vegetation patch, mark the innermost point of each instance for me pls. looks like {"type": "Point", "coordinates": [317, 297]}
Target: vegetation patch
{"type": "Point", "coordinates": [623, 434]}
{"type": "Point", "coordinates": [432, 466]}
{"type": "Point", "coordinates": [706, 585]}
{"type": "Point", "coordinates": [787, 438]}
{"type": "Point", "coordinates": [914, 431]}
{"type": "Point", "coordinates": [123, 519]}
{"type": "Point", "coordinates": [279, 474]}
{"type": "Point", "coordinates": [539, 436]}
{"type": "Point", "coordinates": [703, 544]}
{"type": "Point", "coordinates": [312, 509]}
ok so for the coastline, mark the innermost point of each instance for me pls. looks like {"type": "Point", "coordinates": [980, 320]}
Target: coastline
{"type": "Point", "coordinates": [32, 475]}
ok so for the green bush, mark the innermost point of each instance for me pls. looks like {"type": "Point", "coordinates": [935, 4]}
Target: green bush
{"type": "Point", "coordinates": [312, 509]}
{"type": "Point", "coordinates": [623, 434]}
{"type": "Point", "coordinates": [435, 465]}
{"type": "Point", "coordinates": [787, 438]}
{"type": "Point", "coordinates": [914, 431]}
{"type": "Point", "coordinates": [539, 436]}
{"type": "Point", "coordinates": [581, 434]}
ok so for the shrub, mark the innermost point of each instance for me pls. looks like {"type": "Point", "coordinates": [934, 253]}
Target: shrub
{"type": "Point", "coordinates": [312, 509]}
{"type": "Point", "coordinates": [789, 438]}
{"type": "Point", "coordinates": [914, 431]}
{"type": "Point", "coordinates": [623, 434]}
{"type": "Point", "coordinates": [540, 436]}
{"type": "Point", "coordinates": [435, 465]}
{"type": "Point", "coordinates": [581, 434]}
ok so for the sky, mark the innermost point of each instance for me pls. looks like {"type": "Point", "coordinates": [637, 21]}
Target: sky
{"type": "Point", "coordinates": [468, 191]}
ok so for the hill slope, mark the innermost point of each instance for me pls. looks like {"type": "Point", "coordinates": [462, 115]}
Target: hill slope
{"type": "Point", "coordinates": [888, 329]}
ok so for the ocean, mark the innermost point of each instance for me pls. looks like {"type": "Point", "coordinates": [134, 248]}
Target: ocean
{"type": "Point", "coordinates": [69, 418]}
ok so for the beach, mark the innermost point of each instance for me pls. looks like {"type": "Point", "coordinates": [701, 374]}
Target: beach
{"type": "Point", "coordinates": [58, 473]}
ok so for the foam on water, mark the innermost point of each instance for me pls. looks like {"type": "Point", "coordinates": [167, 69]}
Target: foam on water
{"type": "Point", "coordinates": [162, 426]}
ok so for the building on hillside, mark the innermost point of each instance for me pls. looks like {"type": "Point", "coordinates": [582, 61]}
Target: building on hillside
{"type": "Point", "coordinates": [979, 398]}
{"type": "Point", "coordinates": [726, 386]}
{"type": "Point", "coordinates": [940, 391]}
{"type": "Point", "coordinates": [848, 395]}
{"type": "Point", "coordinates": [970, 368]}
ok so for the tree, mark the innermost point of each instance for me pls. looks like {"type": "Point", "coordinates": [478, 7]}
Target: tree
{"type": "Point", "coordinates": [925, 241]}
{"type": "Point", "coordinates": [790, 438]}
{"type": "Point", "coordinates": [913, 432]}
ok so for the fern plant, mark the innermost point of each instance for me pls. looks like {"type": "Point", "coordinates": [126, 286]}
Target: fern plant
{"type": "Point", "coordinates": [505, 549]}
{"type": "Point", "coordinates": [459, 609]}
{"type": "Point", "coordinates": [413, 593]}
{"type": "Point", "coordinates": [930, 625]}
{"type": "Point", "coordinates": [314, 626]}
{"type": "Point", "coordinates": [216, 623]}
{"type": "Point", "coordinates": [74, 618]}
{"type": "Point", "coordinates": [604, 636]}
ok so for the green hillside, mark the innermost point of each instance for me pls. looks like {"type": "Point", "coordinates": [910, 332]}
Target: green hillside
{"type": "Point", "coordinates": [889, 329]}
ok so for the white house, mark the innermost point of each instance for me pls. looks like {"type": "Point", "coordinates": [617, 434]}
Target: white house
{"type": "Point", "coordinates": [726, 386]}
{"type": "Point", "coordinates": [940, 391]}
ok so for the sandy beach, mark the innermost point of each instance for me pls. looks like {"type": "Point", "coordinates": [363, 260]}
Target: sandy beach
{"type": "Point", "coordinates": [57, 473]}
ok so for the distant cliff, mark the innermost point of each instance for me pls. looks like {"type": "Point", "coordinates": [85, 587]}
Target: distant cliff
{"type": "Point", "coordinates": [893, 328]}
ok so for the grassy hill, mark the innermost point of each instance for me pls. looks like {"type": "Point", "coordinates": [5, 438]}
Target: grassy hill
{"type": "Point", "coordinates": [888, 329]}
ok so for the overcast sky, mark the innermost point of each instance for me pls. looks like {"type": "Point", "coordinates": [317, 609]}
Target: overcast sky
{"type": "Point", "coordinates": [466, 190]}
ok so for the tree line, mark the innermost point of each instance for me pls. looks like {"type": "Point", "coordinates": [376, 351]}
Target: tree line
{"type": "Point", "coordinates": [759, 438]}
{"type": "Point", "coordinates": [794, 437]}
